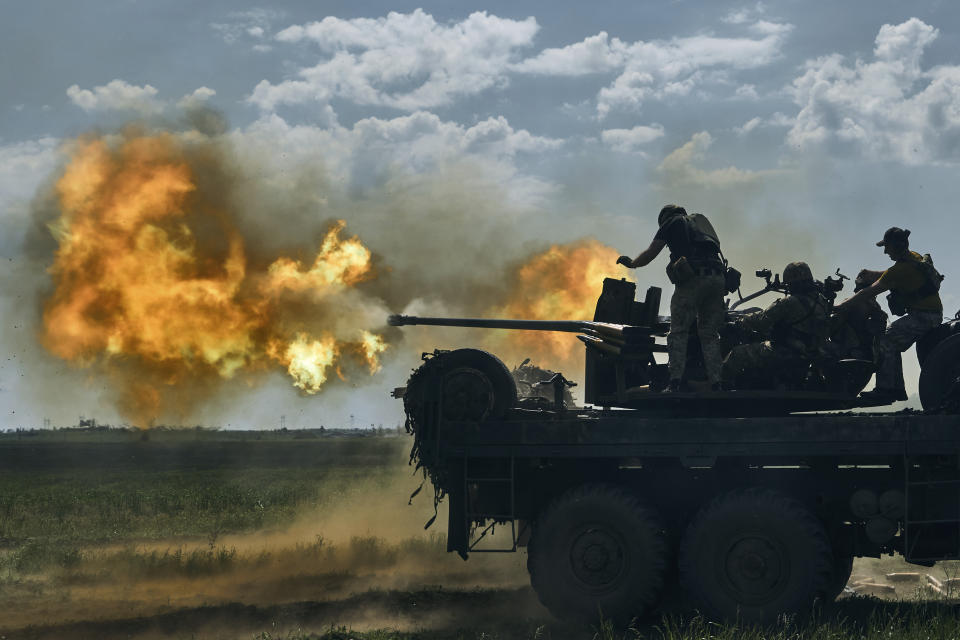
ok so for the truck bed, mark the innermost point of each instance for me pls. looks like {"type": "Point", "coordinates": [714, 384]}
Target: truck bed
{"type": "Point", "coordinates": [624, 433]}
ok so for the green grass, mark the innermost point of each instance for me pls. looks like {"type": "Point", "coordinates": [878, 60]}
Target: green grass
{"type": "Point", "coordinates": [62, 500]}
{"type": "Point", "coordinates": [75, 519]}
{"type": "Point", "coordinates": [856, 619]}
{"type": "Point", "coordinates": [90, 506]}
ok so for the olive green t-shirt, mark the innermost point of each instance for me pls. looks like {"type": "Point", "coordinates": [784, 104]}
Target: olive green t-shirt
{"type": "Point", "coordinates": [905, 277]}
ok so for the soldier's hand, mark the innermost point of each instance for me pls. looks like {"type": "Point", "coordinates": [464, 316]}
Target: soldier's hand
{"type": "Point", "coordinates": [626, 261]}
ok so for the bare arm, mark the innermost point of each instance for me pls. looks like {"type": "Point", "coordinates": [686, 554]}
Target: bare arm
{"type": "Point", "coordinates": [870, 292]}
{"type": "Point", "coordinates": [646, 257]}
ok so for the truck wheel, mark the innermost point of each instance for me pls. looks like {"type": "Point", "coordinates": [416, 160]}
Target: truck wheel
{"type": "Point", "coordinates": [939, 373]}
{"type": "Point", "coordinates": [842, 568]}
{"type": "Point", "coordinates": [597, 551]}
{"type": "Point", "coordinates": [754, 554]}
{"type": "Point", "coordinates": [476, 385]}
{"type": "Point", "coordinates": [929, 341]}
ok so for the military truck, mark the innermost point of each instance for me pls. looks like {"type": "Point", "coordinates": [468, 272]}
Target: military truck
{"type": "Point", "coordinates": [750, 504]}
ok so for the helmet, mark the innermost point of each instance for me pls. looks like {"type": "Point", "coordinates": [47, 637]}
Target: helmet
{"type": "Point", "coordinates": [796, 273]}
{"type": "Point", "coordinates": [670, 211]}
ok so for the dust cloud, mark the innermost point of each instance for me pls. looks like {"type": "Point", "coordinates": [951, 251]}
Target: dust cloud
{"type": "Point", "coordinates": [358, 547]}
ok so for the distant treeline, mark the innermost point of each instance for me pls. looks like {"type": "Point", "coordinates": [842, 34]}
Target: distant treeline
{"type": "Point", "coordinates": [165, 433]}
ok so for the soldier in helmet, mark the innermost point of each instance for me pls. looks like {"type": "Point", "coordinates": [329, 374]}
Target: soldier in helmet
{"type": "Point", "coordinates": [914, 285]}
{"type": "Point", "coordinates": [855, 329]}
{"type": "Point", "coordinates": [792, 332]}
{"type": "Point", "coordinates": [697, 271]}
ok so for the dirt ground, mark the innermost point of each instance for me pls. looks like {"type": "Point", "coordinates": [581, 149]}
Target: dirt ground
{"type": "Point", "coordinates": [287, 586]}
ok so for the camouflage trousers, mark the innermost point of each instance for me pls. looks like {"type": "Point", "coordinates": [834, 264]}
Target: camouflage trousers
{"type": "Point", "coordinates": [699, 300]}
{"type": "Point", "coordinates": [759, 364]}
{"type": "Point", "coordinates": [900, 336]}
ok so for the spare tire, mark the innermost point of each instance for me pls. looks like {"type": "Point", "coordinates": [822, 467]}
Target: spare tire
{"type": "Point", "coordinates": [477, 386]}
{"type": "Point", "coordinates": [940, 372]}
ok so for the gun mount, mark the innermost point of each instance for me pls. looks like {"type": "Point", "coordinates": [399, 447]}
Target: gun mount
{"type": "Point", "coordinates": [622, 370]}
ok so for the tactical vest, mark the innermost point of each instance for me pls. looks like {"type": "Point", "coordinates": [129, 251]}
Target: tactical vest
{"type": "Point", "coordinates": [807, 334]}
{"type": "Point", "coordinates": [703, 239]}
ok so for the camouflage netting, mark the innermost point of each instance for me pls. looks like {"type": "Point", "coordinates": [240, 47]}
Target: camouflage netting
{"type": "Point", "coordinates": [423, 454]}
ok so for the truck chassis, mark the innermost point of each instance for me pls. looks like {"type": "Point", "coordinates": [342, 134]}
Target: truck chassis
{"type": "Point", "coordinates": [754, 516]}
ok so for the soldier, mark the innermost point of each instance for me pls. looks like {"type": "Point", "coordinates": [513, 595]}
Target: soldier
{"type": "Point", "coordinates": [914, 285]}
{"type": "Point", "coordinates": [793, 330]}
{"type": "Point", "coordinates": [856, 329]}
{"type": "Point", "coordinates": [698, 274]}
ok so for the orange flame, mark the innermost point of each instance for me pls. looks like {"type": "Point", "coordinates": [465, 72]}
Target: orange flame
{"type": "Point", "coordinates": [561, 283]}
{"type": "Point", "coordinates": [151, 273]}
{"type": "Point", "coordinates": [339, 263]}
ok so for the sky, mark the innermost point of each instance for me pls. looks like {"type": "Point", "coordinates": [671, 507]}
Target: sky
{"type": "Point", "coordinates": [802, 129]}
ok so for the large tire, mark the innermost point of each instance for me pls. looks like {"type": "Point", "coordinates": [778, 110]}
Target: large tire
{"type": "Point", "coordinates": [477, 385]}
{"type": "Point", "coordinates": [755, 554]}
{"type": "Point", "coordinates": [597, 551]}
{"type": "Point", "coordinates": [939, 373]}
{"type": "Point", "coordinates": [929, 341]}
{"type": "Point", "coordinates": [842, 568]}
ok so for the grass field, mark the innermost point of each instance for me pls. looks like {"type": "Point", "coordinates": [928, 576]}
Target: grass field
{"type": "Point", "coordinates": [287, 535]}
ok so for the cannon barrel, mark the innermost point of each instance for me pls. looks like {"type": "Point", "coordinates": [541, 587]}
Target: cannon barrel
{"type": "Point", "coordinates": [572, 326]}
{"type": "Point", "coordinates": [609, 331]}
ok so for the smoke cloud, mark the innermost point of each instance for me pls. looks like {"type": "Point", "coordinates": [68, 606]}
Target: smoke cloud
{"type": "Point", "coordinates": [186, 266]}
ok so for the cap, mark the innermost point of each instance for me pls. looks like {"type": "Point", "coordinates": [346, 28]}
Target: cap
{"type": "Point", "coordinates": [894, 235]}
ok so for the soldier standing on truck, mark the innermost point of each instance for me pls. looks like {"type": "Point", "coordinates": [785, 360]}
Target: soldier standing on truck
{"type": "Point", "coordinates": [914, 287]}
{"type": "Point", "coordinates": [697, 272]}
{"type": "Point", "coordinates": [793, 331]}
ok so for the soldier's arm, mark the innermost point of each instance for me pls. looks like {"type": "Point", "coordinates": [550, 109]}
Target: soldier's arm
{"type": "Point", "coordinates": [870, 292]}
{"type": "Point", "coordinates": [764, 321]}
{"type": "Point", "coordinates": [646, 257]}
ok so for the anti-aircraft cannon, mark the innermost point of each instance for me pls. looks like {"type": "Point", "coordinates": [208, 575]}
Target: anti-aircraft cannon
{"type": "Point", "coordinates": [621, 369]}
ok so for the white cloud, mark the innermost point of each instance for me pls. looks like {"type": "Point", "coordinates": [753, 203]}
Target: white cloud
{"type": "Point", "coordinates": [661, 68]}
{"type": "Point", "coordinates": [243, 26]}
{"type": "Point", "coordinates": [776, 120]}
{"type": "Point", "coordinates": [630, 140]}
{"type": "Point", "coordinates": [889, 108]}
{"type": "Point", "coordinates": [405, 61]}
{"type": "Point", "coordinates": [119, 95]}
{"type": "Point", "coordinates": [116, 95]}
{"type": "Point", "coordinates": [419, 143]}
{"type": "Point", "coordinates": [411, 62]}
{"type": "Point", "coordinates": [739, 16]}
{"type": "Point", "coordinates": [596, 54]}
{"type": "Point", "coordinates": [747, 91]}
{"type": "Point", "coordinates": [749, 125]}
{"type": "Point", "coordinates": [23, 166]}
{"type": "Point", "coordinates": [198, 98]}
{"type": "Point", "coordinates": [682, 166]}
{"type": "Point", "coordinates": [745, 15]}
{"type": "Point", "coordinates": [675, 67]}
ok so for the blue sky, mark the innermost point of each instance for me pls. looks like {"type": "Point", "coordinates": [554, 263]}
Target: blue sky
{"type": "Point", "coordinates": [802, 129]}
